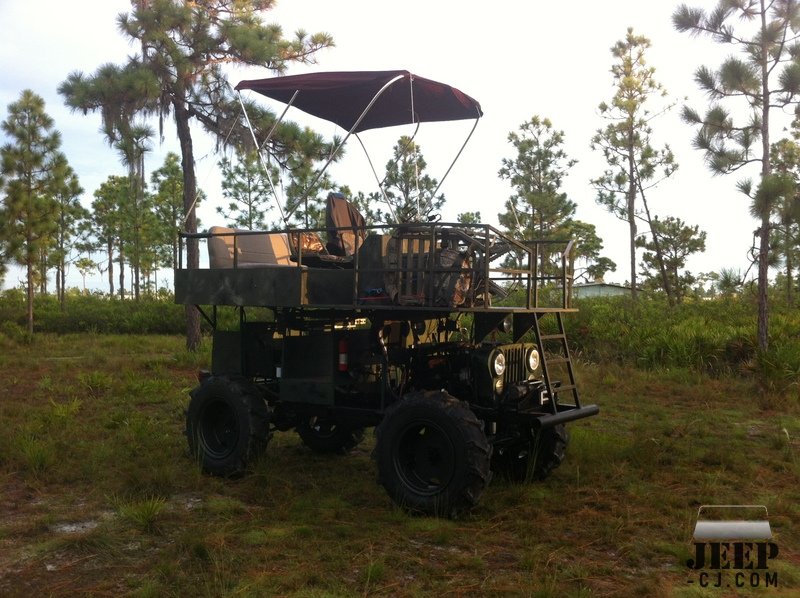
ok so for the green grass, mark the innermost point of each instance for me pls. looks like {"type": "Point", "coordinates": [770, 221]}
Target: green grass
{"type": "Point", "coordinates": [99, 496]}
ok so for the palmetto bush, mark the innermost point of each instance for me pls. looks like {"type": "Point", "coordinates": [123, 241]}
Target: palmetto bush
{"type": "Point", "coordinates": [716, 337]}
{"type": "Point", "coordinates": [96, 313]}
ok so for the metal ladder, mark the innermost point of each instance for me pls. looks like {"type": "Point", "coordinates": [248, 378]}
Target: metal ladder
{"type": "Point", "coordinates": [556, 346]}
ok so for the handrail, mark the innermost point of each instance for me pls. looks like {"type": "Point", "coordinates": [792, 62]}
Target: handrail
{"type": "Point", "coordinates": [485, 243]}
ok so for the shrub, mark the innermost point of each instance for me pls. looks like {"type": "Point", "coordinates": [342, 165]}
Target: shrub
{"type": "Point", "coordinates": [716, 337]}
{"type": "Point", "coordinates": [778, 369]}
{"type": "Point", "coordinates": [93, 313]}
{"type": "Point", "coordinates": [14, 332]}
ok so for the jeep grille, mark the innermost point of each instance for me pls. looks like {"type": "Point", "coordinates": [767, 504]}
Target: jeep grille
{"type": "Point", "coordinates": [515, 364]}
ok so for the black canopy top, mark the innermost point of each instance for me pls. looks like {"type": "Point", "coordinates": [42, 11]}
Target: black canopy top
{"type": "Point", "coordinates": [341, 97]}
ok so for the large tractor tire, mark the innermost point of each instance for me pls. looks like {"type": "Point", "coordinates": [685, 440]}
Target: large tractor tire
{"type": "Point", "coordinates": [432, 454]}
{"type": "Point", "coordinates": [327, 436]}
{"type": "Point", "coordinates": [227, 426]}
{"type": "Point", "coordinates": [531, 456]}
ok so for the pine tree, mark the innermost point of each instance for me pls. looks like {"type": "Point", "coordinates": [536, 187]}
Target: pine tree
{"type": "Point", "coordinates": [407, 189]}
{"type": "Point", "coordinates": [677, 241]}
{"type": "Point", "coordinates": [106, 224]}
{"type": "Point", "coordinates": [785, 158]}
{"type": "Point", "coordinates": [469, 217]}
{"type": "Point", "coordinates": [304, 203]}
{"type": "Point", "coordinates": [179, 72]}
{"type": "Point", "coordinates": [85, 266]}
{"type": "Point", "coordinates": [766, 78]}
{"type": "Point", "coordinates": [247, 190]}
{"type": "Point", "coordinates": [32, 167]}
{"type": "Point", "coordinates": [132, 143]}
{"type": "Point", "coordinates": [70, 215]}
{"type": "Point", "coordinates": [634, 165]}
{"type": "Point", "coordinates": [539, 209]}
{"type": "Point", "coordinates": [167, 183]}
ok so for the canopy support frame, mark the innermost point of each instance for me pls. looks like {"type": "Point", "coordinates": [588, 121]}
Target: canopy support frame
{"type": "Point", "coordinates": [263, 145]}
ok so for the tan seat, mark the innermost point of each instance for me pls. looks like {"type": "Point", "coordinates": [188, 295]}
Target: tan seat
{"type": "Point", "coordinates": [263, 249]}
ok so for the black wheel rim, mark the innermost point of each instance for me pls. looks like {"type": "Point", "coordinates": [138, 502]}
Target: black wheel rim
{"type": "Point", "coordinates": [219, 430]}
{"type": "Point", "coordinates": [424, 458]}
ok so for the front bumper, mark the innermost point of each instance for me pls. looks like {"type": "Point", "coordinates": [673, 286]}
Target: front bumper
{"type": "Point", "coordinates": [530, 403]}
{"type": "Point", "coordinates": [566, 413]}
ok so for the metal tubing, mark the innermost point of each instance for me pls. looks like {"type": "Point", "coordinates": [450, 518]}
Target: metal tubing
{"type": "Point", "coordinates": [375, 174]}
{"type": "Point", "coordinates": [279, 120]}
{"type": "Point", "coordinates": [346, 137]}
{"type": "Point", "coordinates": [458, 155]}
{"type": "Point", "coordinates": [548, 421]}
{"type": "Point", "coordinates": [260, 157]}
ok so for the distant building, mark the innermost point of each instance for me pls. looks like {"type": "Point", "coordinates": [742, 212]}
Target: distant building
{"type": "Point", "coordinates": [599, 289]}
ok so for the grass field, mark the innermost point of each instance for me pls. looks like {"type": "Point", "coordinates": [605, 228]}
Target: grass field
{"type": "Point", "coordinates": [98, 496]}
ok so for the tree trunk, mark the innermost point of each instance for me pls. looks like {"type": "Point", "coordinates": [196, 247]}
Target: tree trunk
{"type": "Point", "coordinates": [139, 202]}
{"type": "Point", "coordinates": [665, 278]}
{"type": "Point", "coordinates": [29, 291]}
{"type": "Point", "coordinates": [62, 275]}
{"type": "Point", "coordinates": [763, 284]}
{"type": "Point", "coordinates": [177, 246]}
{"type": "Point", "coordinates": [42, 272]}
{"type": "Point", "coordinates": [110, 249]}
{"type": "Point", "coordinates": [190, 218]}
{"type": "Point", "coordinates": [766, 169]}
{"type": "Point", "coordinates": [632, 232]}
{"type": "Point", "coordinates": [787, 243]}
{"type": "Point", "coordinates": [631, 200]}
{"type": "Point", "coordinates": [133, 184]}
{"type": "Point", "coordinates": [58, 283]}
{"type": "Point", "coordinates": [121, 274]}
{"type": "Point", "coordinates": [136, 269]}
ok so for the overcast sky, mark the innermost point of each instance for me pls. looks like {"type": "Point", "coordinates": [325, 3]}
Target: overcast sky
{"type": "Point", "coordinates": [518, 59]}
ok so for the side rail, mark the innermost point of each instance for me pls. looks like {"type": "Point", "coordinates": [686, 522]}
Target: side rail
{"type": "Point", "coordinates": [463, 266]}
{"type": "Point", "coordinates": [437, 264]}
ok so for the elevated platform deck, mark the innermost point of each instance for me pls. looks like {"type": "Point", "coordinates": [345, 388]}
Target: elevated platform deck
{"type": "Point", "coordinates": [435, 267]}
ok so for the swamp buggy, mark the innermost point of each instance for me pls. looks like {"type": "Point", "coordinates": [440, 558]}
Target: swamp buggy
{"type": "Point", "coordinates": [447, 338]}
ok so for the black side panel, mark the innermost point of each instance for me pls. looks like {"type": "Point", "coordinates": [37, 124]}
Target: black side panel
{"type": "Point", "coordinates": [267, 285]}
{"type": "Point", "coordinates": [261, 351]}
{"type": "Point", "coordinates": [308, 369]}
{"type": "Point", "coordinates": [226, 353]}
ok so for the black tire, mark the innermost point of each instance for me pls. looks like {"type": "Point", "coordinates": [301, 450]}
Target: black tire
{"type": "Point", "coordinates": [531, 455]}
{"type": "Point", "coordinates": [432, 454]}
{"type": "Point", "coordinates": [327, 436]}
{"type": "Point", "coordinates": [227, 426]}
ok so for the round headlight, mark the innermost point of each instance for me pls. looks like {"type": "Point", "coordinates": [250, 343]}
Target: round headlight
{"type": "Point", "coordinates": [505, 325]}
{"type": "Point", "coordinates": [533, 359]}
{"type": "Point", "coordinates": [499, 363]}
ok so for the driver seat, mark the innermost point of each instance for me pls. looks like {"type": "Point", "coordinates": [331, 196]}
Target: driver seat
{"type": "Point", "coordinates": [345, 225]}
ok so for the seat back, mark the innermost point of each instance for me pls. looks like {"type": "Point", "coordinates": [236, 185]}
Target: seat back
{"type": "Point", "coordinates": [345, 224]}
{"type": "Point", "coordinates": [263, 249]}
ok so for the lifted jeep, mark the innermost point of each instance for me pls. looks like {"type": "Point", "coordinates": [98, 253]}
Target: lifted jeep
{"type": "Point", "coordinates": [455, 354]}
